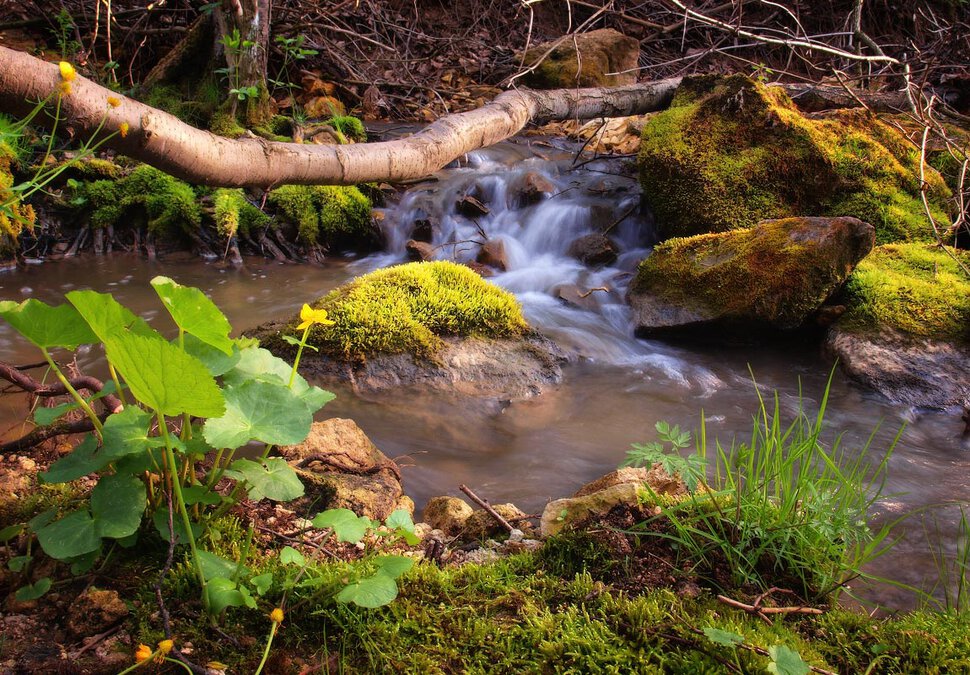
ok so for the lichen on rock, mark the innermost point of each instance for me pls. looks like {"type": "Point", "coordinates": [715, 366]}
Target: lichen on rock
{"type": "Point", "coordinates": [774, 275]}
{"type": "Point", "coordinates": [730, 152]}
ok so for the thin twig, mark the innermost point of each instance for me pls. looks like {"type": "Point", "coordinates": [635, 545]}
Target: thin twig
{"type": "Point", "coordinates": [485, 505]}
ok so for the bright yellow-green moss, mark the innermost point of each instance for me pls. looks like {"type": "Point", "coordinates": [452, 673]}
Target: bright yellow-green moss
{"type": "Point", "coordinates": [225, 124]}
{"type": "Point", "coordinates": [730, 152]}
{"type": "Point", "coordinates": [165, 204]}
{"type": "Point", "coordinates": [15, 217]}
{"type": "Point", "coordinates": [409, 307]}
{"type": "Point", "coordinates": [234, 213]}
{"type": "Point", "coordinates": [325, 213]}
{"type": "Point", "coordinates": [192, 102]}
{"type": "Point", "coordinates": [916, 288]}
{"type": "Point", "coordinates": [350, 127]}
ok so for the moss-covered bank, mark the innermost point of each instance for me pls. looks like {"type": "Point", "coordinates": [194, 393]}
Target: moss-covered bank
{"type": "Point", "coordinates": [730, 152]}
{"type": "Point", "coordinates": [408, 309]}
{"type": "Point", "coordinates": [917, 289]}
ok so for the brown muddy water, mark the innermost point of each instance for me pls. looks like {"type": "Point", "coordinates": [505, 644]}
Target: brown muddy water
{"type": "Point", "coordinates": [615, 387]}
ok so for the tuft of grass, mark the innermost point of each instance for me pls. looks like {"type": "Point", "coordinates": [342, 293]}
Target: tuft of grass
{"type": "Point", "coordinates": [781, 510]}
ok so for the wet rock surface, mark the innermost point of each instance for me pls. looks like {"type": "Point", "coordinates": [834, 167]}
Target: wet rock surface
{"type": "Point", "coordinates": [594, 250]}
{"type": "Point", "coordinates": [341, 468]}
{"type": "Point", "coordinates": [906, 369]}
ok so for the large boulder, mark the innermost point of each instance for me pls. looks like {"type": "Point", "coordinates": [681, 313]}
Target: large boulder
{"type": "Point", "coordinates": [341, 468]}
{"type": "Point", "coordinates": [906, 328]}
{"type": "Point", "coordinates": [436, 325]}
{"type": "Point", "coordinates": [773, 275]}
{"type": "Point", "coordinates": [730, 152]}
{"type": "Point", "coordinates": [599, 58]}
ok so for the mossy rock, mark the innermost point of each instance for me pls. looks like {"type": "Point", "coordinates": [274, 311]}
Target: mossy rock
{"type": "Point", "coordinates": [585, 60]}
{"type": "Point", "coordinates": [774, 275]}
{"type": "Point", "coordinates": [409, 309]}
{"type": "Point", "coordinates": [730, 152]}
{"type": "Point", "coordinates": [326, 214]}
{"type": "Point", "coordinates": [435, 325]}
{"type": "Point", "coordinates": [906, 329]}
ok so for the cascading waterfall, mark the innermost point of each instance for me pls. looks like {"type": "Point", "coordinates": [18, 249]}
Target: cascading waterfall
{"type": "Point", "coordinates": [580, 306]}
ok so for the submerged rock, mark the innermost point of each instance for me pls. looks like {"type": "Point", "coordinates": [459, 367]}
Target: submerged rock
{"type": "Point", "coordinates": [906, 328]}
{"type": "Point", "coordinates": [341, 468]}
{"type": "Point", "coordinates": [599, 58]}
{"type": "Point", "coordinates": [437, 325]}
{"type": "Point", "coordinates": [730, 152]}
{"type": "Point", "coordinates": [594, 250]}
{"type": "Point", "coordinates": [530, 188]}
{"type": "Point", "coordinates": [773, 275]}
{"type": "Point", "coordinates": [493, 254]}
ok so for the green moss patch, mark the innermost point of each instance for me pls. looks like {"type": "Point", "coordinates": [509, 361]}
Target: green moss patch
{"type": "Point", "coordinates": [730, 152]}
{"type": "Point", "coordinates": [234, 214]}
{"type": "Point", "coordinates": [409, 308]}
{"type": "Point", "coordinates": [165, 204]}
{"type": "Point", "coordinates": [915, 288]}
{"type": "Point", "coordinates": [15, 217]}
{"type": "Point", "coordinates": [325, 213]}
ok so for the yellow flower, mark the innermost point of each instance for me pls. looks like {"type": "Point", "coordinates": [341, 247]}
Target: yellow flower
{"type": "Point", "coordinates": [276, 616]}
{"type": "Point", "coordinates": [65, 88]}
{"type": "Point", "coordinates": [310, 316]}
{"type": "Point", "coordinates": [143, 653]}
{"type": "Point", "coordinates": [165, 646]}
{"type": "Point", "coordinates": [67, 71]}
{"type": "Point", "coordinates": [123, 129]}
{"type": "Point", "coordinates": [114, 101]}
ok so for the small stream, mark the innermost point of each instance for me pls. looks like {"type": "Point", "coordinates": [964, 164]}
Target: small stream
{"type": "Point", "coordinates": [615, 387]}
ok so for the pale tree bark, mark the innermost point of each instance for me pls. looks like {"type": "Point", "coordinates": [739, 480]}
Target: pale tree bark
{"type": "Point", "coordinates": [200, 157]}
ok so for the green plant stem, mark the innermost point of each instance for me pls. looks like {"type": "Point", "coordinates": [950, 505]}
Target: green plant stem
{"type": "Point", "coordinates": [269, 643]}
{"type": "Point", "coordinates": [117, 381]}
{"type": "Point", "coordinates": [299, 353]}
{"type": "Point", "coordinates": [180, 501]}
{"type": "Point", "coordinates": [138, 664]}
{"type": "Point", "coordinates": [176, 661]}
{"type": "Point", "coordinates": [74, 393]}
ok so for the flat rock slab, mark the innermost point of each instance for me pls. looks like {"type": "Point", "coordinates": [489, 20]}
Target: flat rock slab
{"type": "Point", "coordinates": [905, 369]}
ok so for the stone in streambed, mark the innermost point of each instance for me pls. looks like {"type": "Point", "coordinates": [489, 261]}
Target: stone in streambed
{"type": "Point", "coordinates": [447, 514]}
{"type": "Point", "coordinates": [528, 189]}
{"type": "Point", "coordinates": [771, 276]}
{"type": "Point", "coordinates": [493, 254]}
{"type": "Point", "coordinates": [594, 250]}
{"type": "Point", "coordinates": [599, 58]}
{"type": "Point", "coordinates": [419, 250]}
{"type": "Point", "coordinates": [341, 468]}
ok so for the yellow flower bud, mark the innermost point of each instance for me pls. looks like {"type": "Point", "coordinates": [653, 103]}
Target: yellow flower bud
{"type": "Point", "coordinates": [165, 646]}
{"type": "Point", "coordinates": [65, 88]}
{"type": "Point", "coordinates": [114, 101]}
{"type": "Point", "coordinates": [123, 129]}
{"type": "Point", "coordinates": [67, 71]}
{"type": "Point", "coordinates": [276, 616]}
{"type": "Point", "coordinates": [143, 653]}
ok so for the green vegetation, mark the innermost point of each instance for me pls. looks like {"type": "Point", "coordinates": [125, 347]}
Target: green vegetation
{"type": "Point", "coordinates": [408, 308]}
{"type": "Point", "coordinates": [15, 216]}
{"type": "Point", "coordinates": [730, 152]}
{"type": "Point", "coordinates": [915, 288]}
{"type": "Point", "coordinates": [234, 213]}
{"type": "Point", "coordinates": [163, 203]}
{"type": "Point", "coordinates": [325, 213]}
{"type": "Point", "coordinates": [349, 127]}
{"type": "Point", "coordinates": [779, 511]}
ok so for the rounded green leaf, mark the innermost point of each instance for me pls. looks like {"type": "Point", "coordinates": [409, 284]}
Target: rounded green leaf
{"type": "Point", "coordinates": [34, 590]}
{"type": "Point", "coordinates": [69, 537]}
{"type": "Point", "coordinates": [194, 313]}
{"type": "Point", "coordinates": [394, 565]}
{"type": "Point", "coordinates": [261, 411]}
{"type": "Point", "coordinates": [165, 378]}
{"type": "Point", "coordinates": [271, 478]}
{"type": "Point", "coordinates": [375, 591]}
{"type": "Point", "coordinates": [47, 326]}
{"type": "Point", "coordinates": [106, 316]}
{"type": "Point", "coordinates": [346, 525]}
{"type": "Point", "coordinates": [118, 504]}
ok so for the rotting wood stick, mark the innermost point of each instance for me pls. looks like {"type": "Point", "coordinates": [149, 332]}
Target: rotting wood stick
{"type": "Point", "coordinates": [485, 505]}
